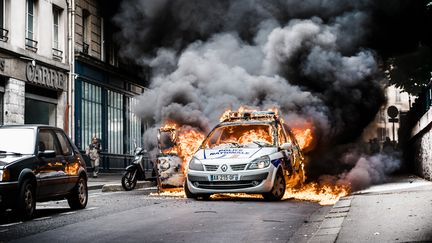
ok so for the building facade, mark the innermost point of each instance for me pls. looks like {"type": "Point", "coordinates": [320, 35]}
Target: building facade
{"type": "Point", "coordinates": [104, 90]}
{"type": "Point", "coordinates": [34, 62]}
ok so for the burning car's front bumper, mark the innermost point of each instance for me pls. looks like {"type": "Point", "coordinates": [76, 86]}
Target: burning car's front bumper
{"type": "Point", "coordinates": [246, 181]}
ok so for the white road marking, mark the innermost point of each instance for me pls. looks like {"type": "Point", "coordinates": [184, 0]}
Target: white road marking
{"type": "Point", "coordinates": [43, 218]}
{"type": "Point", "coordinates": [11, 224]}
{"type": "Point", "coordinates": [92, 208]}
{"type": "Point", "coordinates": [68, 213]}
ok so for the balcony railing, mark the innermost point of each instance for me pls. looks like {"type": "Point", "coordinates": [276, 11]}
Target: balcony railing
{"type": "Point", "coordinates": [85, 49]}
{"type": "Point", "coordinates": [57, 54]}
{"type": "Point", "coordinates": [4, 35]}
{"type": "Point", "coordinates": [31, 44]}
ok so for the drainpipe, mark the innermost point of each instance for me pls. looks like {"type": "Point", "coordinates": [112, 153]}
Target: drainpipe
{"type": "Point", "coordinates": [72, 75]}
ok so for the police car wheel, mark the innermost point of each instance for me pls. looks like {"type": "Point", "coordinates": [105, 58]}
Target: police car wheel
{"type": "Point", "coordinates": [278, 190]}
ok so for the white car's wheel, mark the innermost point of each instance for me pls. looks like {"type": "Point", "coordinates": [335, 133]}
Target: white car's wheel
{"type": "Point", "coordinates": [278, 190]}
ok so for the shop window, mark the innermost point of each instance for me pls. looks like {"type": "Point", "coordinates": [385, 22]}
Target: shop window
{"type": "Point", "coordinates": [115, 122]}
{"type": "Point", "coordinates": [91, 116]}
{"type": "Point", "coordinates": [134, 126]}
{"type": "Point", "coordinates": [39, 112]}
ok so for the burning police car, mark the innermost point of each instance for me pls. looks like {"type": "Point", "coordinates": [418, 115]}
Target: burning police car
{"type": "Point", "coordinates": [248, 152]}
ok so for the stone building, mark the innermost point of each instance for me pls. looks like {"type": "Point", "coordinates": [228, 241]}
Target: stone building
{"type": "Point", "coordinates": [34, 62]}
{"type": "Point", "coordinates": [105, 88]}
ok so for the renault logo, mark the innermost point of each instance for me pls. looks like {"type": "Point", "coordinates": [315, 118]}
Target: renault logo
{"type": "Point", "coordinates": [224, 167]}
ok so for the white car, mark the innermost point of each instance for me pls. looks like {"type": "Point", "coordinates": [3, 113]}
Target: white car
{"type": "Point", "coordinates": [249, 152]}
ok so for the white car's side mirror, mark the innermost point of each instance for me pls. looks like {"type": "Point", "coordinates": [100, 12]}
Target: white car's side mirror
{"type": "Point", "coordinates": [286, 146]}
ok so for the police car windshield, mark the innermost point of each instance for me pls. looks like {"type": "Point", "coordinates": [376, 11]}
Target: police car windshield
{"type": "Point", "coordinates": [240, 135]}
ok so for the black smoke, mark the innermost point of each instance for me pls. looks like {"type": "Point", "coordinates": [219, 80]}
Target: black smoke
{"type": "Point", "coordinates": [310, 59]}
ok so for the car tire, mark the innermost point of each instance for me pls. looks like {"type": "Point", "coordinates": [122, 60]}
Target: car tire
{"type": "Point", "coordinates": [79, 195]}
{"type": "Point", "coordinates": [278, 190]}
{"type": "Point", "coordinates": [26, 204]}
{"type": "Point", "coordinates": [188, 193]}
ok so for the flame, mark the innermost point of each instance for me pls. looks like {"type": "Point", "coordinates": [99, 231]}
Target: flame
{"type": "Point", "coordinates": [187, 140]}
{"type": "Point", "coordinates": [304, 137]}
{"type": "Point", "coordinates": [327, 194]}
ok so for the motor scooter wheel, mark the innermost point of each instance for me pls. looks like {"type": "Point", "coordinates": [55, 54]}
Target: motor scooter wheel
{"type": "Point", "coordinates": [129, 180]}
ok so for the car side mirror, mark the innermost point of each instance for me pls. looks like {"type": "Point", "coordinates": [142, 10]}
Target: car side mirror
{"type": "Point", "coordinates": [47, 154]}
{"type": "Point", "coordinates": [286, 146]}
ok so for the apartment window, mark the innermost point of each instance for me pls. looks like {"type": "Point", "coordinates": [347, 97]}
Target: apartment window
{"type": "Point", "coordinates": [91, 115]}
{"type": "Point", "coordinates": [115, 122]}
{"type": "Point", "coordinates": [30, 18]}
{"type": "Point", "coordinates": [3, 30]}
{"type": "Point", "coordinates": [397, 96]}
{"type": "Point", "coordinates": [86, 31]}
{"type": "Point", "coordinates": [57, 52]}
{"type": "Point", "coordinates": [1, 108]}
{"type": "Point", "coordinates": [134, 126]}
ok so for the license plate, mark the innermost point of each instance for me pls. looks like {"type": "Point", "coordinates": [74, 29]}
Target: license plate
{"type": "Point", "coordinates": [226, 177]}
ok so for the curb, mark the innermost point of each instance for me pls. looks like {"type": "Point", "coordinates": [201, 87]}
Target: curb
{"type": "Point", "coordinates": [332, 223]}
{"type": "Point", "coordinates": [118, 187]}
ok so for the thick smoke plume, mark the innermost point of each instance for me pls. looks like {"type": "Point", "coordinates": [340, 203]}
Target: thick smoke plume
{"type": "Point", "coordinates": [306, 58]}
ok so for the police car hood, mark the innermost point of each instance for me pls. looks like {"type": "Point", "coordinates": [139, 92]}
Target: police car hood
{"type": "Point", "coordinates": [229, 153]}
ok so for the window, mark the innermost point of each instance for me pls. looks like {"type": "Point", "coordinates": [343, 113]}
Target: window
{"type": "Point", "coordinates": [37, 111]}
{"type": "Point", "coordinates": [134, 126]}
{"type": "Point", "coordinates": [1, 108]}
{"type": "Point", "coordinates": [64, 144]}
{"type": "Point", "coordinates": [382, 133]}
{"type": "Point", "coordinates": [86, 31]}
{"type": "Point", "coordinates": [2, 12]}
{"type": "Point", "coordinates": [57, 53]}
{"type": "Point", "coordinates": [397, 96]}
{"type": "Point", "coordinates": [115, 122]}
{"type": "Point", "coordinates": [30, 42]}
{"type": "Point", "coordinates": [91, 115]}
{"type": "Point", "coordinates": [3, 30]}
{"type": "Point", "coordinates": [47, 141]}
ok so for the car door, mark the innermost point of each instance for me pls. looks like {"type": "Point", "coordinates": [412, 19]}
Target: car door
{"type": "Point", "coordinates": [51, 172]}
{"type": "Point", "coordinates": [72, 162]}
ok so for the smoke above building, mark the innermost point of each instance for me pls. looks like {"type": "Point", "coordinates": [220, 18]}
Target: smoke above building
{"type": "Point", "coordinates": [306, 58]}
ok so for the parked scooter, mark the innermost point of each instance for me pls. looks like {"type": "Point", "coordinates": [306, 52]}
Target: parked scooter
{"type": "Point", "coordinates": [141, 168]}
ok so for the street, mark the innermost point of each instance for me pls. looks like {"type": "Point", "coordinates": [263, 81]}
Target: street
{"type": "Point", "coordinates": [138, 216]}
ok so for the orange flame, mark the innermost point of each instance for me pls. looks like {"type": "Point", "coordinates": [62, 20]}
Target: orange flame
{"type": "Point", "coordinates": [326, 194]}
{"type": "Point", "coordinates": [187, 140]}
{"type": "Point", "coordinates": [304, 137]}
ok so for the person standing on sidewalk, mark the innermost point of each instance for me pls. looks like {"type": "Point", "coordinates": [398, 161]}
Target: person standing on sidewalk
{"type": "Point", "coordinates": [93, 151]}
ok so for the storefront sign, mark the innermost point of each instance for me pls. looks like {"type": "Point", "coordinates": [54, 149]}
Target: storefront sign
{"type": "Point", "coordinates": [45, 76]}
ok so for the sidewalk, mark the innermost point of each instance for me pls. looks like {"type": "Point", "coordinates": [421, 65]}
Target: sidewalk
{"type": "Point", "coordinates": [111, 182]}
{"type": "Point", "coordinates": [398, 211]}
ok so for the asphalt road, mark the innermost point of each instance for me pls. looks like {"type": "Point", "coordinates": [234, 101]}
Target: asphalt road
{"type": "Point", "coordinates": [137, 216]}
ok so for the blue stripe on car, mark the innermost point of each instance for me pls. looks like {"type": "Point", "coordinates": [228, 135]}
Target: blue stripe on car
{"type": "Point", "coordinates": [276, 162]}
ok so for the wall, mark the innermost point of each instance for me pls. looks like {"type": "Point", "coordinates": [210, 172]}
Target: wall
{"type": "Point", "coordinates": [422, 146]}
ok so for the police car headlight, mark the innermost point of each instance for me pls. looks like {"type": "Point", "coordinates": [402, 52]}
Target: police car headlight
{"type": "Point", "coordinates": [4, 175]}
{"type": "Point", "coordinates": [164, 164]}
{"type": "Point", "coordinates": [259, 163]}
{"type": "Point", "coordinates": [195, 164]}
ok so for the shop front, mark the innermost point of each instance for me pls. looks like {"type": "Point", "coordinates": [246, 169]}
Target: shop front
{"type": "Point", "coordinates": [104, 103]}
{"type": "Point", "coordinates": [32, 92]}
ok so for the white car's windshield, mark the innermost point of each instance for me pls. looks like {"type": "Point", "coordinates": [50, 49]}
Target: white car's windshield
{"type": "Point", "coordinates": [244, 135]}
{"type": "Point", "coordinates": [17, 141]}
